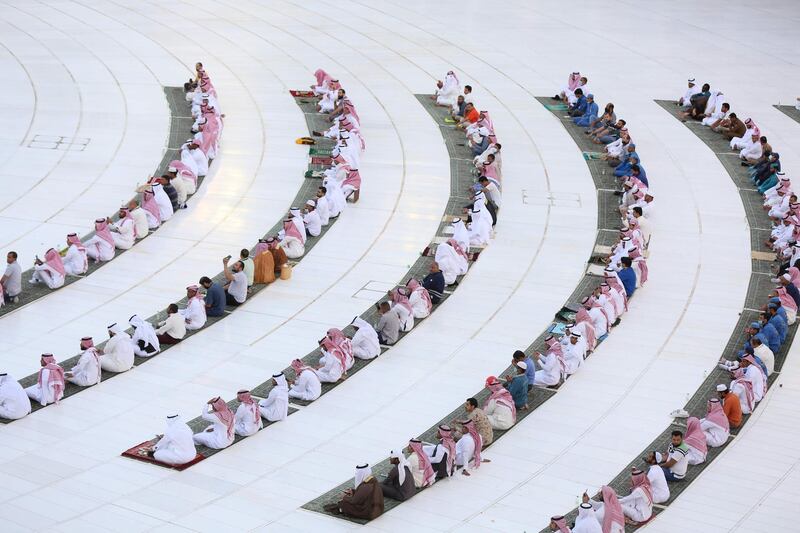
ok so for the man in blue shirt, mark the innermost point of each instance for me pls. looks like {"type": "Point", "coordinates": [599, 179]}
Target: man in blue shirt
{"type": "Point", "coordinates": [518, 386]}
{"type": "Point", "coordinates": [579, 107]}
{"type": "Point", "coordinates": [777, 321]}
{"type": "Point", "coordinates": [769, 332]}
{"type": "Point", "coordinates": [530, 371]}
{"type": "Point", "coordinates": [215, 297]}
{"type": "Point", "coordinates": [589, 115]}
{"type": "Point", "coordinates": [627, 276]}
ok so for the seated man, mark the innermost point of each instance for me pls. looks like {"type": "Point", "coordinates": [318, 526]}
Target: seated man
{"type": "Point", "coordinates": [118, 352]}
{"type": "Point", "coordinates": [715, 425]}
{"type": "Point", "coordinates": [100, 247]}
{"type": "Point", "coordinates": [480, 420]}
{"type": "Point", "coordinates": [730, 405]}
{"type": "Point", "coordinates": [333, 363]}
{"type": "Point", "coordinates": [388, 326]}
{"type": "Point", "coordinates": [275, 406]}
{"type": "Point", "coordinates": [247, 419]}
{"type": "Point", "coordinates": [627, 275]}
{"type": "Point", "coordinates": [366, 344]}
{"type": "Point", "coordinates": [574, 350]}
{"type": "Point", "coordinates": [236, 288]}
{"type": "Point", "coordinates": [11, 282]}
{"type": "Point", "coordinates": [608, 511]}
{"type": "Point", "coordinates": [499, 408]}
{"type": "Point", "coordinates": [14, 403]}
{"type": "Point", "coordinates": [420, 465]}
{"type": "Point", "coordinates": [173, 329]}
{"type": "Point", "coordinates": [468, 447]}
{"type": "Point", "coordinates": [293, 240]}
{"type": "Point", "coordinates": [676, 460]}
{"type": "Point", "coordinates": [589, 115]}
{"type": "Point", "coordinates": [220, 433]}
{"type": "Point", "coordinates": [51, 271]}
{"type": "Point", "coordinates": [434, 283]}
{"type": "Point", "coordinates": [399, 482]}
{"type": "Point", "coordinates": [175, 446]}
{"type": "Point", "coordinates": [144, 337]}
{"type": "Point", "coordinates": [442, 455]}
{"type": "Point", "coordinates": [123, 231]}
{"type": "Point", "coordinates": [87, 372]}
{"type": "Point", "coordinates": [248, 266]}
{"type": "Point", "coordinates": [732, 127]}
{"type": "Point", "coordinates": [695, 441]}
{"type": "Point", "coordinates": [50, 385]}
{"type": "Point", "coordinates": [195, 313]}
{"type": "Point", "coordinates": [311, 219]}
{"type": "Point", "coordinates": [215, 297]}
{"type": "Point", "coordinates": [419, 299]}
{"type": "Point", "coordinates": [655, 475]}
{"type": "Point", "coordinates": [447, 90]}
{"type": "Point", "coordinates": [141, 225]}
{"type": "Point", "coordinates": [517, 385]}
{"type": "Point", "coordinates": [306, 385]}
{"type": "Point", "coordinates": [549, 374]}
{"type": "Point", "coordinates": [685, 100]}
{"type": "Point", "coordinates": [76, 261]}
{"type": "Point", "coordinates": [365, 502]}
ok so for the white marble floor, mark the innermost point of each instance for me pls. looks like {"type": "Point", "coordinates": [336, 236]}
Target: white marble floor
{"type": "Point", "coordinates": [95, 69]}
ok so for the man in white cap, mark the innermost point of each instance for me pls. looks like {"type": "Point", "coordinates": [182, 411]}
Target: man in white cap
{"type": "Point", "coordinates": [322, 208]}
{"type": "Point", "coordinates": [195, 313]}
{"type": "Point", "coordinates": [247, 420]}
{"type": "Point", "coordinates": [87, 372]}
{"type": "Point", "coordinates": [364, 501]}
{"type": "Point", "coordinates": [658, 483]}
{"type": "Point", "coordinates": [685, 100]}
{"type": "Point", "coordinates": [14, 403]}
{"type": "Point", "coordinates": [366, 344]}
{"type": "Point", "coordinates": [175, 446]}
{"type": "Point", "coordinates": [311, 219]}
{"type": "Point", "coordinates": [118, 352]}
{"type": "Point", "coordinates": [399, 482]}
{"type": "Point", "coordinates": [276, 405]}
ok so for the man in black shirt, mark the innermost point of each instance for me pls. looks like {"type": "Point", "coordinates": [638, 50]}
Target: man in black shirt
{"type": "Point", "coordinates": [434, 283]}
{"type": "Point", "coordinates": [171, 192]}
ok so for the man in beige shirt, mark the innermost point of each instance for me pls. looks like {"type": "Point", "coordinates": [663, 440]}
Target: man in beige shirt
{"type": "Point", "coordinates": [482, 424]}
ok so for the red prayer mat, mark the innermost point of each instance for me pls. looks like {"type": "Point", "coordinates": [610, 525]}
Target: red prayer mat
{"type": "Point", "coordinates": [321, 160]}
{"type": "Point", "coordinates": [301, 94]}
{"type": "Point", "coordinates": [139, 453]}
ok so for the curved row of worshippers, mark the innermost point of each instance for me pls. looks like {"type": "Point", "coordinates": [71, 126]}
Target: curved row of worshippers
{"type": "Point", "coordinates": [270, 257]}
{"type": "Point", "coordinates": [397, 313]}
{"type": "Point", "coordinates": [754, 362]}
{"type": "Point", "coordinates": [460, 442]}
{"type": "Point", "coordinates": [161, 197]}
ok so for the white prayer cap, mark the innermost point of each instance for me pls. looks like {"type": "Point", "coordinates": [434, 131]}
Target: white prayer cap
{"type": "Point", "coordinates": [522, 365]}
{"type": "Point", "coordinates": [312, 203]}
{"type": "Point", "coordinates": [787, 277]}
{"type": "Point", "coordinates": [722, 387]}
{"type": "Point", "coordinates": [172, 169]}
{"type": "Point", "coordinates": [658, 457]}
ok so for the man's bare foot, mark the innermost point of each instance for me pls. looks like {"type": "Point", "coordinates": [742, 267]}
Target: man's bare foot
{"type": "Point", "coordinates": [464, 472]}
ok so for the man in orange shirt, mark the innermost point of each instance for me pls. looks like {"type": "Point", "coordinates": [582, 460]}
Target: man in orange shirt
{"type": "Point", "coordinates": [731, 405]}
{"type": "Point", "coordinates": [471, 116]}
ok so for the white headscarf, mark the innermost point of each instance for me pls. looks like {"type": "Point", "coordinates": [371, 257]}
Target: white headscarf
{"type": "Point", "coordinates": [461, 234]}
{"type": "Point", "coordinates": [334, 194]}
{"type": "Point", "coordinates": [280, 380]}
{"type": "Point", "coordinates": [587, 520]}
{"type": "Point", "coordinates": [144, 331]}
{"type": "Point", "coordinates": [362, 473]}
{"type": "Point", "coordinates": [401, 467]}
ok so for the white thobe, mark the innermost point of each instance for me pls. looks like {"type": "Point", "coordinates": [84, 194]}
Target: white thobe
{"type": "Point", "coordinates": [573, 356]}
{"type": "Point", "coordinates": [636, 506]}
{"type": "Point", "coordinates": [767, 357]}
{"type": "Point", "coordinates": [276, 405]}
{"type": "Point", "coordinates": [753, 150]}
{"type": "Point", "coordinates": [306, 387]}
{"type": "Point", "coordinates": [293, 247]}
{"type": "Point", "coordinates": [140, 223]}
{"type": "Point", "coordinates": [448, 94]}
{"type": "Point", "coordinates": [419, 305]}
{"type": "Point", "coordinates": [14, 403]}
{"type": "Point", "coordinates": [118, 353]}
{"type": "Point", "coordinates": [737, 143]}
{"type": "Point", "coordinates": [549, 373]}
{"type": "Point", "coordinates": [405, 316]}
{"type": "Point", "coordinates": [245, 422]}
{"type": "Point", "coordinates": [323, 211]}
{"type": "Point", "coordinates": [658, 484]}
{"type": "Point", "coordinates": [312, 223]}
{"type": "Point", "coordinates": [180, 187]}
{"type": "Point", "coordinates": [87, 372]}
{"type": "Point", "coordinates": [716, 435]}
{"type": "Point", "coordinates": [176, 447]}
{"type": "Point", "coordinates": [599, 321]}
{"type": "Point", "coordinates": [188, 159]}
{"type": "Point", "coordinates": [499, 415]}
{"type": "Point", "coordinates": [44, 395]}
{"type": "Point", "coordinates": [608, 307]}
{"type": "Point", "coordinates": [739, 390]}
{"type": "Point", "coordinates": [194, 314]}
{"type": "Point", "coordinates": [695, 456]}
{"type": "Point", "coordinates": [687, 96]}
{"type": "Point", "coordinates": [332, 370]}
{"type": "Point", "coordinates": [755, 375]}
{"type": "Point", "coordinates": [75, 262]}
{"type": "Point", "coordinates": [465, 450]}
{"type": "Point", "coordinates": [450, 263]}
{"type": "Point", "coordinates": [365, 342]}
{"type": "Point", "coordinates": [216, 435]}
{"type": "Point", "coordinates": [164, 204]}
{"type": "Point", "coordinates": [124, 236]}
{"type": "Point", "coordinates": [200, 161]}
{"type": "Point", "coordinates": [99, 249]}
{"type": "Point", "coordinates": [44, 273]}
